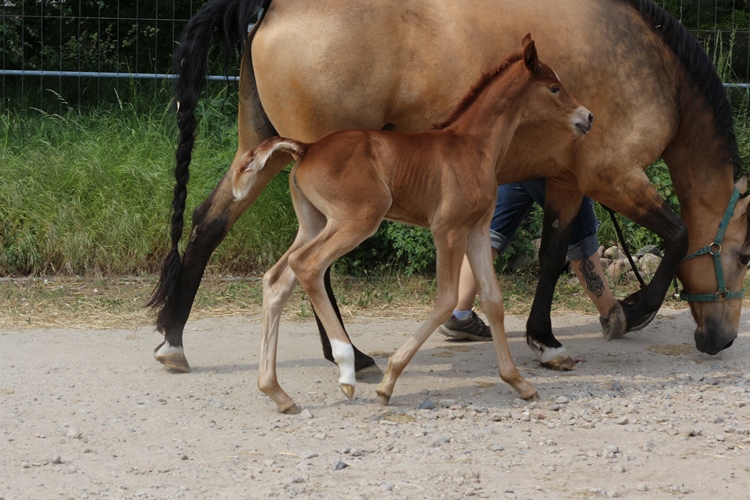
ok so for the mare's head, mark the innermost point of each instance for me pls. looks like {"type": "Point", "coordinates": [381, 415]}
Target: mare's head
{"type": "Point", "coordinates": [548, 100]}
{"type": "Point", "coordinates": [713, 278]}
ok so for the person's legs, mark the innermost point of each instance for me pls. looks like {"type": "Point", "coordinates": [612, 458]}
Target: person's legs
{"type": "Point", "coordinates": [511, 208]}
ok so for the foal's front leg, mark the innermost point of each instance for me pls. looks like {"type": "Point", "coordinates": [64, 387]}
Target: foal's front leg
{"type": "Point", "coordinates": [450, 247]}
{"type": "Point", "coordinates": [278, 284]}
{"type": "Point", "coordinates": [480, 257]}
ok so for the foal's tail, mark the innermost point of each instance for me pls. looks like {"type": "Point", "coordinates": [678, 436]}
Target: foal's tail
{"type": "Point", "coordinates": [228, 19]}
{"type": "Point", "coordinates": [251, 162]}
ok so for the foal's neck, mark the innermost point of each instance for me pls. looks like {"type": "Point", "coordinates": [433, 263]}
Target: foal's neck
{"type": "Point", "coordinates": [489, 121]}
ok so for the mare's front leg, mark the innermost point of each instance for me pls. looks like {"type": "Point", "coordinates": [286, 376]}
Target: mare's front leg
{"type": "Point", "coordinates": [561, 207]}
{"type": "Point", "coordinates": [642, 204]}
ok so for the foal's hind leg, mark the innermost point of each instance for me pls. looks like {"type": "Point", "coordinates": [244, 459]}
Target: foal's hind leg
{"type": "Point", "coordinates": [308, 263]}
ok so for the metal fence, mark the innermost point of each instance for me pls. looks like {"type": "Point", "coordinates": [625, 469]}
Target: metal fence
{"type": "Point", "coordinates": [58, 53]}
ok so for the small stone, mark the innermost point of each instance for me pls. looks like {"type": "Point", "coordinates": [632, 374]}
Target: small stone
{"type": "Point", "coordinates": [427, 404]}
{"type": "Point", "coordinates": [562, 400]}
{"type": "Point", "coordinates": [641, 487]}
{"type": "Point", "coordinates": [56, 460]}
{"type": "Point", "coordinates": [623, 421]}
{"type": "Point", "coordinates": [497, 447]}
{"type": "Point", "coordinates": [340, 465]}
{"type": "Point", "coordinates": [306, 414]}
{"type": "Point", "coordinates": [307, 455]}
{"type": "Point", "coordinates": [73, 434]}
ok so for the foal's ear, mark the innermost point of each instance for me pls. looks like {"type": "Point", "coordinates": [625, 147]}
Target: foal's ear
{"type": "Point", "coordinates": [529, 54]}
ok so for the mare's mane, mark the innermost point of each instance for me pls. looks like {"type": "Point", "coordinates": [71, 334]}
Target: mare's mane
{"type": "Point", "coordinates": [476, 90]}
{"type": "Point", "coordinates": [699, 68]}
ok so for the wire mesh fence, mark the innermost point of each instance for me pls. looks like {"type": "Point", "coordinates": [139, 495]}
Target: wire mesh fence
{"type": "Point", "coordinates": [58, 53]}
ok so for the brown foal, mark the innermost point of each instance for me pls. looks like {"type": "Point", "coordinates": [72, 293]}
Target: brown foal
{"type": "Point", "coordinates": [346, 183]}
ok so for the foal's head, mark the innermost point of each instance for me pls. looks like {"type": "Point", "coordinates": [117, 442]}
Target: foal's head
{"type": "Point", "coordinates": [547, 98]}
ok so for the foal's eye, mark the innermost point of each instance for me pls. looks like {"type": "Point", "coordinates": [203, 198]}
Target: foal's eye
{"type": "Point", "coordinates": [554, 89]}
{"type": "Point", "coordinates": [745, 259]}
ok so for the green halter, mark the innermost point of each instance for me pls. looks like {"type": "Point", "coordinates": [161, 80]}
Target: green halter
{"type": "Point", "coordinates": [714, 249]}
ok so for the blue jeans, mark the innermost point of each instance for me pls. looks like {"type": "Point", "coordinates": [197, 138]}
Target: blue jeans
{"type": "Point", "coordinates": [514, 202]}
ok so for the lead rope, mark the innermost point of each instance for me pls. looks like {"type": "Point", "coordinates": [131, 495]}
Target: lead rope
{"type": "Point", "coordinates": [624, 245]}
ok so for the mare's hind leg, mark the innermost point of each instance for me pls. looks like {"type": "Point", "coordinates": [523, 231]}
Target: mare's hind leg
{"type": "Point", "coordinates": [211, 222]}
{"type": "Point", "coordinates": [480, 257]}
{"type": "Point", "coordinates": [560, 208]}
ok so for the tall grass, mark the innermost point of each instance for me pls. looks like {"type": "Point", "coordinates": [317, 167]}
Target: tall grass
{"type": "Point", "coordinates": [89, 192]}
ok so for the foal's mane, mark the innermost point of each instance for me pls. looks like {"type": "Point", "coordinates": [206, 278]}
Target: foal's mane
{"type": "Point", "coordinates": [699, 68]}
{"type": "Point", "coordinates": [476, 90]}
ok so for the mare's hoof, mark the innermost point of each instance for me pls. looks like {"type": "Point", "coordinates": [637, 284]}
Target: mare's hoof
{"type": "Point", "coordinates": [291, 410]}
{"type": "Point", "coordinates": [362, 362]}
{"type": "Point", "coordinates": [370, 374]}
{"type": "Point", "coordinates": [554, 358]}
{"type": "Point", "coordinates": [564, 364]}
{"type": "Point", "coordinates": [348, 390]}
{"type": "Point", "coordinates": [614, 326]}
{"type": "Point", "coordinates": [173, 358]}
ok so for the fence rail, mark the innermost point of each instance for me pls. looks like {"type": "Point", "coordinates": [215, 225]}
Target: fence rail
{"type": "Point", "coordinates": [77, 51]}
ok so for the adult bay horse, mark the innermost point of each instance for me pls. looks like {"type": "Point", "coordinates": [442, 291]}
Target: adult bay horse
{"type": "Point", "coordinates": [312, 67]}
{"type": "Point", "coordinates": [346, 183]}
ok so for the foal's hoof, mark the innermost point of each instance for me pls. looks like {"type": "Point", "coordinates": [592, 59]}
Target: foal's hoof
{"type": "Point", "coordinates": [554, 358]}
{"type": "Point", "coordinates": [348, 390]}
{"type": "Point", "coordinates": [533, 397]}
{"type": "Point", "coordinates": [614, 325]}
{"type": "Point", "coordinates": [291, 410]}
{"type": "Point", "coordinates": [384, 398]}
{"type": "Point", "coordinates": [173, 358]}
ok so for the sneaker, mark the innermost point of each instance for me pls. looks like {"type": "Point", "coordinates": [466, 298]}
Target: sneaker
{"type": "Point", "coordinates": [470, 328]}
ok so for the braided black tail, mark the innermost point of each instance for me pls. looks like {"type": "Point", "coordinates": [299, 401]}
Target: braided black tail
{"type": "Point", "coordinates": [228, 19]}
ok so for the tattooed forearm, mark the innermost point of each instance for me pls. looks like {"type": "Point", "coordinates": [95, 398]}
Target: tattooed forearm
{"type": "Point", "coordinates": [593, 281]}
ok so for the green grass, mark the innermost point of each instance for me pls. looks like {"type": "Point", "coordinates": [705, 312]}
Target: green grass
{"type": "Point", "coordinates": [89, 192]}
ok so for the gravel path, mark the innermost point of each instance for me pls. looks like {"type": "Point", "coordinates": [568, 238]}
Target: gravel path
{"type": "Point", "coordinates": [90, 414]}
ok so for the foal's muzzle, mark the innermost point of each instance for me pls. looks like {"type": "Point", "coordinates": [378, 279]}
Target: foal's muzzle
{"type": "Point", "coordinates": [583, 120]}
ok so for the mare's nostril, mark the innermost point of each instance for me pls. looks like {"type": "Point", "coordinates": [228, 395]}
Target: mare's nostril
{"type": "Point", "coordinates": [591, 119]}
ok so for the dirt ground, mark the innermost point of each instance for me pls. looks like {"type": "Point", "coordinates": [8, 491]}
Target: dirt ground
{"type": "Point", "coordinates": [91, 414]}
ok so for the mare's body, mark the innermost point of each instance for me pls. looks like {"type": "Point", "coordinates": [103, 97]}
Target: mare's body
{"type": "Point", "coordinates": [314, 67]}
